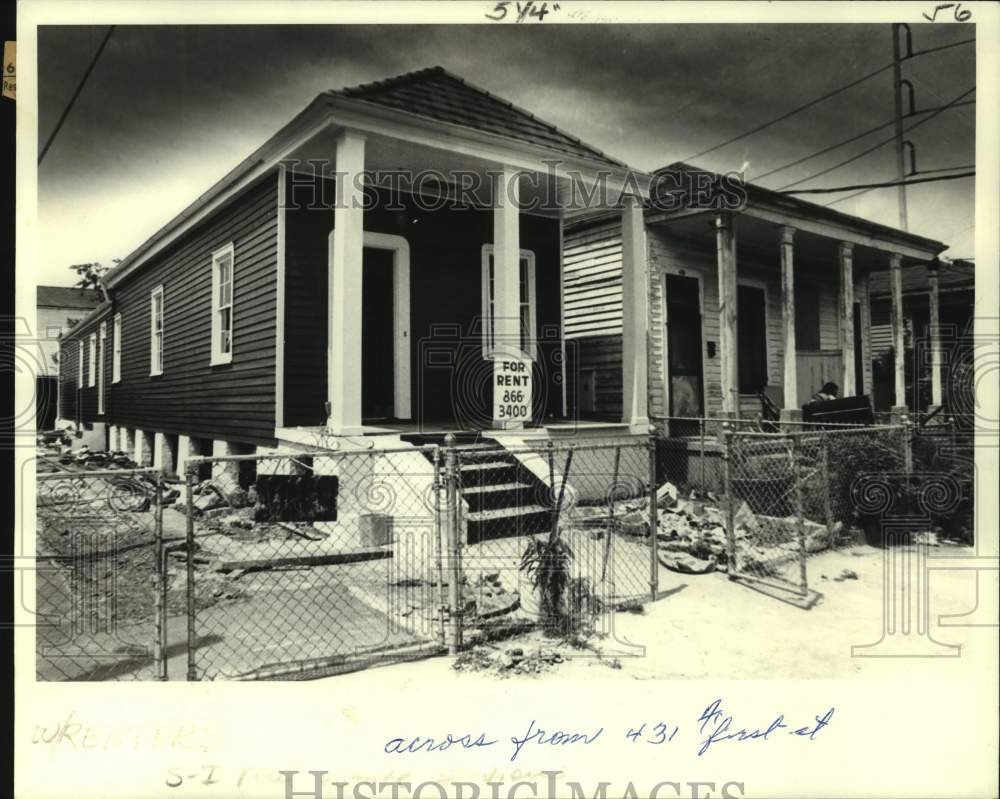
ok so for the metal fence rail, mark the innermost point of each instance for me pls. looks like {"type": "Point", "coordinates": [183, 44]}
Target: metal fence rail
{"type": "Point", "coordinates": [99, 590]}
{"type": "Point", "coordinates": [300, 565]}
{"type": "Point", "coordinates": [516, 512]}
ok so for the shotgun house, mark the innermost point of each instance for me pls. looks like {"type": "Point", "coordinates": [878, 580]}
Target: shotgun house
{"type": "Point", "coordinates": [944, 296]}
{"type": "Point", "coordinates": [756, 299]}
{"type": "Point", "coordinates": [382, 271]}
{"type": "Point", "coordinates": [58, 309]}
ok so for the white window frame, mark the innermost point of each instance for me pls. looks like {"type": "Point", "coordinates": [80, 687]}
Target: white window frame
{"type": "Point", "coordinates": [102, 340]}
{"type": "Point", "coordinates": [487, 303]}
{"type": "Point", "coordinates": [218, 356]}
{"type": "Point", "coordinates": [116, 349]}
{"type": "Point", "coordinates": [156, 355]}
{"type": "Point", "coordinates": [50, 328]}
{"type": "Point", "coordinates": [79, 363]}
{"type": "Point", "coordinates": [92, 360]}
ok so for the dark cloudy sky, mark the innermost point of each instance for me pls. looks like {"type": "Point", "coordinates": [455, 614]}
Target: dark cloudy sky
{"type": "Point", "coordinates": [168, 110]}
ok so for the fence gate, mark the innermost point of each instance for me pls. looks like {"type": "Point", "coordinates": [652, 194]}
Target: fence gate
{"type": "Point", "coordinates": [766, 526]}
{"type": "Point", "coordinates": [306, 565]}
{"type": "Point", "coordinates": [99, 588]}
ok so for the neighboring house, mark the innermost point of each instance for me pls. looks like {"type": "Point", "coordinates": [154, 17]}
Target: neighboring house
{"type": "Point", "coordinates": [266, 315]}
{"type": "Point", "coordinates": [59, 309]}
{"type": "Point", "coordinates": [755, 299]}
{"type": "Point", "coordinates": [956, 298]}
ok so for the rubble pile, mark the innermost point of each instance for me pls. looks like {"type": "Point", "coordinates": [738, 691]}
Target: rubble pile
{"type": "Point", "coordinates": [691, 531]}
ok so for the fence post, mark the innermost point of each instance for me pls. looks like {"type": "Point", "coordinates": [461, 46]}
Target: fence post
{"type": "Point", "coordinates": [907, 446]}
{"type": "Point", "coordinates": [160, 600]}
{"type": "Point", "coordinates": [438, 545]}
{"type": "Point", "coordinates": [550, 451]}
{"type": "Point", "coordinates": [799, 512]}
{"type": "Point", "coordinates": [454, 550]}
{"type": "Point", "coordinates": [654, 563]}
{"type": "Point", "coordinates": [824, 452]}
{"type": "Point", "coordinates": [727, 483]}
{"type": "Point", "coordinates": [701, 454]}
{"type": "Point", "coordinates": [192, 669]}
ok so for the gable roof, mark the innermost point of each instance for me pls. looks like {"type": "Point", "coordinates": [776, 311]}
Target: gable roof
{"type": "Point", "coordinates": [438, 94]}
{"type": "Point", "coordinates": [67, 297]}
{"type": "Point", "coordinates": [440, 99]}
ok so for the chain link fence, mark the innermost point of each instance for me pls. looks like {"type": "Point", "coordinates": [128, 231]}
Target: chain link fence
{"type": "Point", "coordinates": [758, 498]}
{"type": "Point", "coordinates": [524, 516]}
{"type": "Point", "coordinates": [309, 564]}
{"type": "Point", "coordinates": [99, 595]}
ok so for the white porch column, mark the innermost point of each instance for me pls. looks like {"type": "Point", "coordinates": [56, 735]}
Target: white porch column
{"type": "Point", "coordinates": [506, 309]}
{"type": "Point", "coordinates": [935, 333]}
{"type": "Point", "coordinates": [635, 314]}
{"type": "Point", "coordinates": [898, 341]}
{"type": "Point", "coordinates": [791, 410]}
{"type": "Point", "coordinates": [845, 254]}
{"type": "Point", "coordinates": [725, 250]}
{"type": "Point", "coordinates": [344, 307]}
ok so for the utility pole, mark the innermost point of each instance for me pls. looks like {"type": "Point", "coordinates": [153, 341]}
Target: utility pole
{"type": "Point", "coordinates": [897, 90]}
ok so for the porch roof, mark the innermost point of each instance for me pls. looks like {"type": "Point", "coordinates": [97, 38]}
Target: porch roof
{"type": "Point", "coordinates": [438, 94]}
{"type": "Point", "coordinates": [430, 111]}
{"type": "Point", "coordinates": [786, 209]}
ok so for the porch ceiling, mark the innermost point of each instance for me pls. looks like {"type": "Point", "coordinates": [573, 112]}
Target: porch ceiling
{"type": "Point", "coordinates": [759, 239]}
{"type": "Point", "coordinates": [542, 193]}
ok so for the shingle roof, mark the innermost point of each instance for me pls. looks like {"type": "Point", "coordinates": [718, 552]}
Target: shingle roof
{"type": "Point", "coordinates": [952, 275]}
{"type": "Point", "coordinates": [437, 94]}
{"type": "Point", "coordinates": [67, 297]}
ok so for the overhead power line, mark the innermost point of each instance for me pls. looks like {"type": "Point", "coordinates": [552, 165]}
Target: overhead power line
{"type": "Point", "coordinates": [873, 188]}
{"type": "Point", "coordinates": [851, 140]}
{"type": "Point", "coordinates": [822, 98]}
{"type": "Point", "coordinates": [887, 184]}
{"type": "Point", "coordinates": [882, 143]}
{"type": "Point", "coordinates": [791, 113]}
{"type": "Point", "coordinates": [939, 48]}
{"type": "Point", "coordinates": [72, 100]}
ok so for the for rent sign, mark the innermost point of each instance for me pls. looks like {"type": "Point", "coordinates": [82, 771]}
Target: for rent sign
{"type": "Point", "coordinates": [511, 391]}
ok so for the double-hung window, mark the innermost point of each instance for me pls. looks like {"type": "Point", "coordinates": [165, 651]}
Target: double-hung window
{"type": "Point", "coordinates": [102, 343]}
{"type": "Point", "coordinates": [156, 331]}
{"type": "Point", "coordinates": [526, 301]}
{"type": "Point", "coordinates": [223, 261]}
{"type": "Point", "coordinates": [92, 361]}
{"type": "Point", "coordinates": [79, 363]}
{"type": "Point", "coordinates": [116, 349]}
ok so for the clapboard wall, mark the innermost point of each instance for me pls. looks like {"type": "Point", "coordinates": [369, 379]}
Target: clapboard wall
{"type": "Point", "coordinates": [73, 393]}
{"type": "Point", "coordinates": [592, 265]}
{"type": "Point", "coordinates": [233, 401]}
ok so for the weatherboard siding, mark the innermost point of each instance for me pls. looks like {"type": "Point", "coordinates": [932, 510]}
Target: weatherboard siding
{"type": "Point", "coordinates": [592, 263]}
{"type": "Point", "coordinates": [234, 401]}
{"type": "Point", "coordinates": [71, 393]}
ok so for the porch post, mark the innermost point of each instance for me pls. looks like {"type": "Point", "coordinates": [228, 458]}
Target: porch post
{"type": "Point", "coordinates": [791, 410]}
{"type": "Point", "coordinates": [725, 250]}
{"type": "Point", "coordinates": [935, 333]}
{"type": "Point", "coordinates": [344, 292]}
{"type": "Point", "coordinates": [846, 255]}
{"type": "Point", "coordinates": [635, 314]}
{"type": "Point", "coordinates": [898, 341]}
{"type": "Point", "coordinates": [506, 312]}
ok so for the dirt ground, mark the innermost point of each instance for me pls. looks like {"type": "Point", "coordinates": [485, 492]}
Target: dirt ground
{"type": "Point", "coordinates": [706, 626]}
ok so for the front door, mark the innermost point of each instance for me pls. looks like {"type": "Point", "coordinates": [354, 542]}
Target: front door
{"type": "Point", "coordinates": [684, 346]}
{"type": "Point", "coordinates": [751, 339]}
{"type": "Point", "coordinates": [377, 373]}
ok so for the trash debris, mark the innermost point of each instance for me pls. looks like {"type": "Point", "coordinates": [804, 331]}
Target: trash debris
{"type": "Point", "coordinates": [846, 574]}
{"type": "Point", "coordinates": [687, 564]}
{"type": "Point", "coordinates": [666, 495]}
